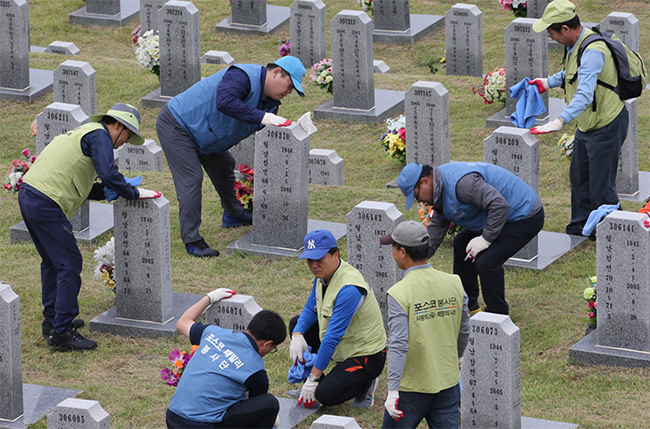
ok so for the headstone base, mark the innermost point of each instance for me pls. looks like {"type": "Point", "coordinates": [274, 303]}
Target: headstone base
{"type": "Point", "coordinates": [644, 189]}
{"type": "Point", "coordinates": [108, 323]}
{"type": "Point", "coordinates": [37, 49]}
{"type": "Point", "coordinates": [38, 401]}
{"type": "Point", "coordinates": [380, 67]}
{"type": "Point", "coordinates": [129, 9]}
{"type": "Point", "coordinates": [154, 99]}
{"type": "Point", "coordinates": [421, 25]}
{"type": "Point", "coordinates": [387, 103]}
{"type": "Point", "coordinates": [588, 352]}
{"type": "Point", "coordinates": [291, 413]}
{"type": "Point", "coordinates": [101, 220]}
{"type": "Point", "coordinates": [531, 423]}
{"type": "Point", "coordinates": [40, 82]}
{"type": "Point", "coordinates": [244, 244]}
{"type": "Point", "coordinates": [551, 246]}
{"type": "Point", "coordinates": [276, 17]}
{"type": "Point", "coordinates": [501, 118]}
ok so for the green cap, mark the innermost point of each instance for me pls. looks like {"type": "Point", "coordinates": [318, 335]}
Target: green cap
{"type": "Point", "coordinates": [556, 12]}
{"type": "Point", "coordinates": [126, 115]}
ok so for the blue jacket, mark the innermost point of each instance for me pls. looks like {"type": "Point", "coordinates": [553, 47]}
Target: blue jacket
{"type": "Point", "coordinates": [212, 130]}
{"type": "Point", "coordinates": [521, 197]}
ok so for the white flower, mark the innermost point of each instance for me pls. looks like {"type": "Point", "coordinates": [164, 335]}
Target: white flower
{"type": "Point", "coordinates": [105, 255]}
{"type": "Point", "coordinates": [147, 50]}
{"type": "Point", "coordinates": [396, 124]}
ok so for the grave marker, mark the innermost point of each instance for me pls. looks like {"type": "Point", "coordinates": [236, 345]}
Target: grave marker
{"type": "Point", "coordinates": [355, 96]}
{"type": "Point", "coordinates": [106, 13]}
{"type": "Point", "coordinates": [233, 313]}
{"type": "Point", "coordinates": [62, 48]}
{"type": "Point", "coordinates": [395, 24]}
{"type": "Point", "coordinates": [427, 124]}
{"type": "Point", "coordinates": [17, 81]}
{"type": "Point", "coordinates": [57, 118]}
{"type": "Point", "coordinates": [149, 15]}
{"type": "Point", "coordinates": [75, 82]}
{"type": "Point", "coordinates": [625, 26]}
{"type": "Point", "coordinates": [244, 151]}
{"type": "Point", "coordinates": [308, 31]}
{"type": "Point", "coordinates": [366, 224]}
{"type": "Point", "coordinates": [464, 40]}
{"type": "Point", "coordinates": [180, 51]}
{"type": "Point", "coordinates": [325, 168]}
{"type": "Point", "coordinates": [11, 355]}
{"type": "Point", "coordinates": [217, 57]}
{"type": "Point", "coordinates": [327, 421]}
{"type": "Point", "coordinates": [254, 16]}
{"type": "Point", "coordinates": [78, 414]}
{"type": "Point", "coordinates": [148, 157]}
{"type": "Point", "coordinates": [380, 67]}
{"type": "Point", "coordinates": [535, 8]}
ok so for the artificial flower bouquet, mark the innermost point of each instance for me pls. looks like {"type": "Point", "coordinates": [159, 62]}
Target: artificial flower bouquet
{"type": "Point", "coordinates": [589, 295]}
{"type": "Point", "coordinates": [566, 145]}
{"type": "Point", "coordinates": [394, 139]}
{"type": "Point", "coordinates": [18, 168]}
{"type": "Point", "coordinates": [105, 270]}
{"type": "Point", "coordinates": [426, 213]}
{"type": "Point", "coordinates": [518, 7]}
{"type": "Point", "coordinates": [366, 5]}
{"type": "Point", "coordinates": [179, 361]}
{"type": "Point", "coordinates": [494, 86]}
{"type": "Point", "coordinates": [321, 74]}
{"type": "Point", "coordinates": [285, 47]}
{"type": "Point", "coordinates": [146, 52]}
{"type": "Point", "coordinates": [244, 186]}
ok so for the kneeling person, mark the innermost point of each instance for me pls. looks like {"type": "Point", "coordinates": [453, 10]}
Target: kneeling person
{"type": "Point", "coordinates": [227, 365]}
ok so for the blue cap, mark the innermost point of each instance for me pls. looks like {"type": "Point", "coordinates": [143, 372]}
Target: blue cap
{"type": "Point", "coordinates": [296, 70]}
{"type": "Point", "coordinates": [407, 180]}
{"type": "Point", "coordinates": [318, 243]}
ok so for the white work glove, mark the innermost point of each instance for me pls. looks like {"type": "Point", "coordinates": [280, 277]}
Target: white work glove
{"type": "Point", "coordinates": [275, 120]}
{"type": "Point", "coordinates": [146, 193]}
{"type": "Point", "coordinates": [541, 83]}
{"type": "Point", "coordinates": [551, 127]}
{"type": "Point", "coordinates": [476, 245]}
{"type": "Point", "coordinates": [276, 425]}
{"type": "Point", "coordinates": [391, 405]}
{"type": "Point", "coordinates": [298, 344]}
{"type": "Point", "coordinates": [308, 394]}
{"type": "Point", "coordinates": [219, 294]}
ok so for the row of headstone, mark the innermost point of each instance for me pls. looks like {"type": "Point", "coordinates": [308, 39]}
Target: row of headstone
{"type": "Point", "coordinates": [57, 47]}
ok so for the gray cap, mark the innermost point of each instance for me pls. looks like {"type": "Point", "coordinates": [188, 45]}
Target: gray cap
{"type": "Point", "coordinates": [408, 234]}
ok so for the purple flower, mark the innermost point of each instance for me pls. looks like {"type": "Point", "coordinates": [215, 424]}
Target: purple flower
{"type": "Point", "coordinates": [174, 355]}
{"type": "Point", "coordinates": [169, 377]}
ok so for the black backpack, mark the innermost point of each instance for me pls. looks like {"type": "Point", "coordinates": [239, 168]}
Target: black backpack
{"type": "Point", "coordinates": [630, 68]}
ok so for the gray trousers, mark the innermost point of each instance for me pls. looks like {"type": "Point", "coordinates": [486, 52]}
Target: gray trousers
{"type": "Point", "coordinates": [185, 164]}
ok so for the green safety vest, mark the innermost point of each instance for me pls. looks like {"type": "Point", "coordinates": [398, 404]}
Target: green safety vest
{"type": "Point", "coordinates": [63, 172]}
{"type": "Point", "coordinates": [433, 301]}
{"type": "Point", "coordinates": [366, 334]}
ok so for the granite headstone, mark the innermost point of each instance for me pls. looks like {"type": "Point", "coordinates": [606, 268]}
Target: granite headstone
{"type": "Point", "coordinates": [625, 26]}
{"type": "Point", "coordinates": [464, 40]}
{"type": "Point", "coordinates": [627, 175]}
{"type": "Point", "coordinates": [11, 355]}
{"type": "Point", "coordinates": [75, 82]}
{"type": "Point", "coordinates": [427, 124]}
{"type": "Point", "coordinates": [78, 414]}
{"type": "Point", "coordinates": [325, 168]}
{"type": "Point", "coordinates": [254, 16]}
{"type": "Point", "coordinates": [308, 31]}
{"type": "Point", "coordinates": [367, 223]}
{"type": "Point", "coordinates": [57, 118]}
{"type": "Point", "coordinates": [217, 57]}
{"type": "Point", "coordinates": [147, 157]}
{"type": "Point", "coordinates": [535, 8]}
{"type": "Point", "coordinates": [62, 48]}
{"type": "Point", "coordinates": [328, 421]}
{"type": "Point", "coordinates": [107, 13]}
{"type": "Point", "coordinates": [395, 24]}
{"type": "Point", "coordinates": [233, 313]}
{"type": "Point", "coordinates": [380, 67]}
{"type": "Point", "coordinates": [244, 151]}
{"type": "Point", "coordinates": [149, 15]}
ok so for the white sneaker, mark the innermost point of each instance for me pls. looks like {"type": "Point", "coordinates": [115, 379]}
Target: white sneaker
{"type": "Point", "coordinates": [366, 399]}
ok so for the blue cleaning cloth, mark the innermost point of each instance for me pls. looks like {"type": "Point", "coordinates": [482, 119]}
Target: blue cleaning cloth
{"type": "Point", "coordinates": [529, 104]}
{"type": "Point", "coordinates": [111, 195]}
{"type": "Point", "coordinates": [596, 216]}
{"type": "Point", "coordinates": [299, 373]}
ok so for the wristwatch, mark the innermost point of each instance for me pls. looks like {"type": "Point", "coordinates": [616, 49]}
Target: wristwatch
{"type": "Point", "coordinates": [312, 377]}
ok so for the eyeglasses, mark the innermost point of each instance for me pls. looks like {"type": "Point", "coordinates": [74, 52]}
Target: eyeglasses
{"type": "Point", "coordinates": [417, 196]}
{"type": "Point", "coordinates": [275, 349]}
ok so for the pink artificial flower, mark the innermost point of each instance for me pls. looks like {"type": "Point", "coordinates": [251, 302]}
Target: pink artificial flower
{"type": "Point", "coordinates": [591, 304]}
{"type": "Point", "coordinates": [592, 315]}
{"type": "Point", "coordinates": [134, 35]}
{"type": "Point", "coordinates": [32, 159]}
{"type": "Point", "coordinates": [174, 355]}
{"type": "Point", "coordinates": [16, 163]}
{"type": "Point", "coordinates": [25, 166]}
{"type": "Point", "coordinates": [402, 133]}
{"type": "Point", "coordinates": [26, 153]}
{"type": "Point", "coordinates": [18, 182]}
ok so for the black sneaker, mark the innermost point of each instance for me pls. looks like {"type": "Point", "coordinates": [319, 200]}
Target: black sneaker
{"type": "Point", "coordinates": [201, 249]}
{"type": "Point", "coordinates": [47, 326]}
{"type": "Point", "coordinates": [70, 340]}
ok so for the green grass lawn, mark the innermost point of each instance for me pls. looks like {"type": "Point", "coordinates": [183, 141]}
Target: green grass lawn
{"type": "Point", "coordinates": [123, 373]}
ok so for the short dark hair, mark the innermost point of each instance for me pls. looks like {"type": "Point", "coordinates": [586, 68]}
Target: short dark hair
{"type": "Point", "coordinates": [426, 171]}
{"type": "Point", "coordinates": [416, 254]}
{"type": "Point", "coordinates": [108, 120]}
{"type": "Point", "coordinates": [333, 250]}
{"type": "Point", "coordinates": [573, 23]}
{"type": "Point", "coordinates": [268, 325]}
{"type": "Point", "coordinates": [271, 66]}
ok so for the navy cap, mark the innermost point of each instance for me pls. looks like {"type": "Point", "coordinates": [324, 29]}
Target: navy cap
{"type": "Point", "coordinates": [407, 180]}
{"type": "Point", "coordinates": [317, 244]}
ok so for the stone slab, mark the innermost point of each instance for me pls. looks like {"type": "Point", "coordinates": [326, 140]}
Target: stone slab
{"type": "Point", "coordinates": [37, 49]}
{"type": "Point", "coordinates": [502, 118]}
{"type": "Point", "coordinates": [154, 99]}
{"type": "Point", "coordinates": [644, 189]}
{"type": "Point", "coordinates": [387, 103]}
{"type": "Point", "coordinates": [380, 67]}
{"type": "Point", "coordinates": [129, 9]}
{"type": "Point", "coordinates": [38, 401]}
{"type": "Point", "coordinates": [551, 246]}
{"type": "Point", "coordinates": [109, 323]}
{"type": "Point", "coordinates": [78, 414]}
{"type": "Point", "coordinates": [62, 48]}
{"type": "Point", "coordinates": [101, 220]}
{"type": "Point", "coordinates": [244, 244]}
{"type": "Point", "coordinates": [421, 25]}
{"type": "Point", "coordinates": [277, 16]}
{"type": "Point", "coordinates": [146, 157]}
{"type": "Point", "coordinates": [587, 351]}
{"type": "Point", "coordinates": [328, 421]}
{"type": "Point", "coordinates": [532, 423]}
{"type": "Point", "coordinates": [291, 413]}
{"type": "Point", "coordinates": [40, 82]}
{"type": "Point", "coordinates": [217, 57]}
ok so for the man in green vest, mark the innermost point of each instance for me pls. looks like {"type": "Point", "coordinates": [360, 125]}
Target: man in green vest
{"type": "Point", "coordinates": [342, 323]}
{"type": "Point", "coordinates": [61, 179]}
{"type": "Point", "coordinates": [428, 321]}
{"type": "Point", "coordinates": [599, 113]}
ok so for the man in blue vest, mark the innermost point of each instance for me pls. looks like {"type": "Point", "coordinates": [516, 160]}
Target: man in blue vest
{"type": "Point", "coordinates": [499, 214]}
{"type": "Point", "coordinates": [197, 127]}
{"type": "Point", "coordinates": [60, 181]}
{"type": "Point", "coordinates": [600, 115]}
{"type": "Point", "coordinates": [225, 384]}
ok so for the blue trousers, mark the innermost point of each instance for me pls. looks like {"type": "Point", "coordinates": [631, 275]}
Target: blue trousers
{"type": "Point", "coordinates": [439, 409]}
{"type": "Point", "coordinates": [61, 261]}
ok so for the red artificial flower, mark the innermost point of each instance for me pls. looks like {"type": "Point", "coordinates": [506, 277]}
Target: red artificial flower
{"type": "Point", "coordinates": [7, 186]}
